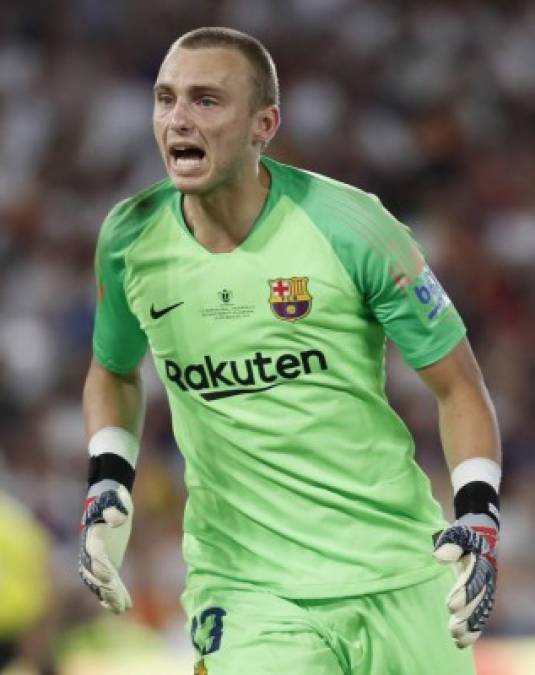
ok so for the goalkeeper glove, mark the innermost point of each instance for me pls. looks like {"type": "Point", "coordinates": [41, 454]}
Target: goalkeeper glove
{"type": "Point", "coordinates": [107, 516]}
{"type": "Point", "coordinates": [106, 525]}
{"type": "Point", "coordinates": [471, 542]}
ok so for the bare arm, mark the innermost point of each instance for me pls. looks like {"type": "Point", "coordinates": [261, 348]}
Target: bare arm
{"type": "Point", "coordinates": [113, 400]}
{"type": "Point", "coordinates": [467, 420]}
{"type": "Point", "coordinates": [470, 436]}
{"type": "Point", "coordinates": [109, 401]}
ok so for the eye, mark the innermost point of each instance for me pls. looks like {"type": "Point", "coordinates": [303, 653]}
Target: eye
{"type": "Point", "coordinates": [206, 102]}
{"type": "Point", "coordinates": [164, 98]}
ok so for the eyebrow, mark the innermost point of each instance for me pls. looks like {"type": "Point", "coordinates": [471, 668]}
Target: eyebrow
{"type": "Point", "coordinates": [195, 88]}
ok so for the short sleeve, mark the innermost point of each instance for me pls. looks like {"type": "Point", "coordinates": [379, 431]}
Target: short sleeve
{"type": "Point", "coordinates": [404, 294]}
{"type": "Point", "coordinates": [119, 343]}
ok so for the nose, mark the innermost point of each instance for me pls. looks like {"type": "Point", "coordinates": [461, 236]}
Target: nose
{"type": "Point", "coordinates": [180, 120]}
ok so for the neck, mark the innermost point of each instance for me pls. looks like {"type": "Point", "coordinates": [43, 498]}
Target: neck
{"type": "Point", "coordinates": [221, 219]}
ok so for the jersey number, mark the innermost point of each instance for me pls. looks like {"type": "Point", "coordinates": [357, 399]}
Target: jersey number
{"type": "Point", "coordinates": [206, 631]}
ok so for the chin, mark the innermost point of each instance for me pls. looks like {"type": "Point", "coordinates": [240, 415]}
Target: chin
{"type": "Point", "coordinates": [189, 185]}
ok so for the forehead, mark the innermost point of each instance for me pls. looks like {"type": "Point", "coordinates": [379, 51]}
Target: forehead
{"type": "Point", "coordinates": [222, 67]}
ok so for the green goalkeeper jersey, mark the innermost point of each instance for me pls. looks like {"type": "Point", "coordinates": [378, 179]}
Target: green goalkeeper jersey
{"type": "Point", "coordinates": [301, 478]}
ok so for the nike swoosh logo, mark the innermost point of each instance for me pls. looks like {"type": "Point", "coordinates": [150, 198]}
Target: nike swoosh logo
{"type": "Point", "coordinates": [158, 313]}
{"type": "Point", "coordinates": [214, 396]}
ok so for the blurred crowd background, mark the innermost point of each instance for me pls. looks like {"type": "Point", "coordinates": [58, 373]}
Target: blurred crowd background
{"type": "Point", "coordinates": [430, 105]}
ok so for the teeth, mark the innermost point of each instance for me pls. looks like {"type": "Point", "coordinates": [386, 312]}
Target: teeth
{"type": "Point", "coordinates": [188, 160]}
{"type": "Point", "coordinates": [186, 164]}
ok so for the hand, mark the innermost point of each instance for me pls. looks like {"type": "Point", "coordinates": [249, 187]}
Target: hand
{"type": "Point", "coordinates": [471, 542]}
{"type": "Point", "coordinates": [106, 525]}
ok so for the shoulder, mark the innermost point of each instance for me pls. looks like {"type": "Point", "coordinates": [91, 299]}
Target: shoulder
{"type": "Point", "coordinates": [332, 205]}
{"type": "Point", "coordinates": [349, 212]}
{"type": "Point", "coordinates": [363, 234]}
{"type": "Point", "coordinates": [129, 217]}
{"type": "Point", "coordinates": [354, 221]}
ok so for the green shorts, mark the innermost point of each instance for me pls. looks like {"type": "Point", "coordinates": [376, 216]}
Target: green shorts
{"type": "Point", "coordinates": [399, 632]}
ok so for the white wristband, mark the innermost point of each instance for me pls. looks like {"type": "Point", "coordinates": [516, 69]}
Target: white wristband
{"type": "Point", "coordinates": [476, 469]}
{"type": "Point", "coordinates": [117, 441]}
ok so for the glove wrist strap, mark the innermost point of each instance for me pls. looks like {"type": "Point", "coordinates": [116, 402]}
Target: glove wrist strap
{"type": "Point", "coordinates": [110, 467]}
{"type": "Point", "coordinates": [478, 497]}
{"type": "Point", "coordinates": [476, 482]}
{"type": "Point", "coordinates": [113, 455]}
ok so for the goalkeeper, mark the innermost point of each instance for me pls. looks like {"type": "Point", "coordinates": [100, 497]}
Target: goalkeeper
{"type": "Point", "coordinates": [265, 294]}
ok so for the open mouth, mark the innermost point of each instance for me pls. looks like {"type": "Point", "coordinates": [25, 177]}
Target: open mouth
{"type": "Point", "coordinates": [186, 152]}
{"type": "Point", "coordinates": [186, 159]}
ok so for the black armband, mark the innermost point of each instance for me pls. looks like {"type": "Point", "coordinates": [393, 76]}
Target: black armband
{"type": "Point", "coordinates": [113, 467]}
{"type": "Point", "coordinates": [478, 497]}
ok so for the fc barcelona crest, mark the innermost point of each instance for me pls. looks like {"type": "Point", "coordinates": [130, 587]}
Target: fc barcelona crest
{"type": "Point", "coordinates": [289, 298]}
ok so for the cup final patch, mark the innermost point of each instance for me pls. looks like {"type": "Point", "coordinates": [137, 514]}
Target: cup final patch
{"type": "Point", "coordinates": [290, 299]}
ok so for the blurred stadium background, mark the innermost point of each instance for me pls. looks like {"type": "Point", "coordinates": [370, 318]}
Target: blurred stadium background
{"type": "Point", "coordinates": [431, 105]}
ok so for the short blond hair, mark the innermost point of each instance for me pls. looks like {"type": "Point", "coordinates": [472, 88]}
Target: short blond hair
{"type": "Point", "coordinates": [264, 72]}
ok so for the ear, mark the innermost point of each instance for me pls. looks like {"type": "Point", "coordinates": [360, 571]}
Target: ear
{"type": "Point", "coordinates": [265, 125]}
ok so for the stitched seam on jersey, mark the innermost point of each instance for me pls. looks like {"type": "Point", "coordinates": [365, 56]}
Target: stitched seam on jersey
{"type": "Point", "coordinates": [352, 214]}
{"type": "Point", "coordinates": [128, 275]}
{"type": "Point", "coordinates": [379, 246]}
{"type": "Point", "coordinates": [129, 206]}
{"type": "Point", "coordinates": [382, 250]}
{"type": "Point", "coordinates": [320, 235]}
{"type": "Point", "coordinates": [347, 192]}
